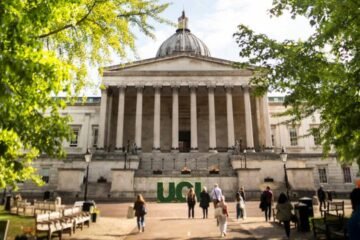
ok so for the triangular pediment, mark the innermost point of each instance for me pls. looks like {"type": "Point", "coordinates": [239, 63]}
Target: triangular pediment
{"type": "Point", "coordinates": [181, 62]}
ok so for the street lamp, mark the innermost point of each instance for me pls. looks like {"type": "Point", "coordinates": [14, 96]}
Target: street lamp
{"type": "Point", "coordinates": [283, 157]}
{"type": "Point", "coordinates": [245, 157]}
{"type": "Point", "coordinates": [88, 157]}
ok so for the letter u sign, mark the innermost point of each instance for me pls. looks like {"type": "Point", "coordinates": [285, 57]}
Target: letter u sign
{"type": "Point", "coordinates": [175, 192]}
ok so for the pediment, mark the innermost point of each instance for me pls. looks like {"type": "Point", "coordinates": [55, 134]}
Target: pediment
{"type": "Point", "coordinates": [176, 63]}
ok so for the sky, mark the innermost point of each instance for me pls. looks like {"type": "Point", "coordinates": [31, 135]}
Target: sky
{"type": "Point", "coordinates": [215, 22]}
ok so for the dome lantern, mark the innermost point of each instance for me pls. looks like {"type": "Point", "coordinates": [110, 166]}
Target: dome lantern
{"type": "Point", "coordinates": [183, 41]}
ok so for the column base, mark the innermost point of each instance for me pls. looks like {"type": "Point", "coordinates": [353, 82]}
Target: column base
{"type": "Point", "coordinates": [250, 149]}
{"type": "Point", "coordinates": [269, 149]}
{"type": "Point", "coordinates": [194, 149]}
{"type": "Point", "coordinates": [230, 150]}
{"type": "Point", "coordinates": [156, 149]}
{"type": "Point", "coordinates": [119, 150]}
{"type": "Point", "coordinates": [213, 150]}
{"type": "Point", "coordinates": [100, 149]}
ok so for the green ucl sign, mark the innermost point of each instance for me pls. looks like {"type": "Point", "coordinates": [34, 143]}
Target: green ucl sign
{"type": "Point", "coordinates": [175, 192]}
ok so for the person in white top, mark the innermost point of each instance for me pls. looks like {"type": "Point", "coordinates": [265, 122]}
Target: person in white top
{"type": "Point", "coordinates": [216, 194]}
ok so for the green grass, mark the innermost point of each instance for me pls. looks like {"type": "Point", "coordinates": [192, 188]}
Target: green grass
{"type": "Point", "coordinates": [17, 223]}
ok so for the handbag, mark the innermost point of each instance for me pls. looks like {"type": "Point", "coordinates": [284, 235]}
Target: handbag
{"type": "Point", "coordinates": [218, 212]}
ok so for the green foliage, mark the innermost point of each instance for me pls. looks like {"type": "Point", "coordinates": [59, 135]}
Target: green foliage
{"type": "Point", "coordinates": [320, 74]}
{"type": "Point", "coordinates": [46, 48]}
{"type": "Point", "coordinates": [17, 223]}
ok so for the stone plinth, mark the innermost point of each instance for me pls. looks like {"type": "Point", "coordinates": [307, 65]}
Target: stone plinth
{"type": "Point", "coordinates": [70, 179]}
{"type": "Point", "coordinates": [249, 177]}
{"type": "Point", "coordinates": [122, 180]}
{"type": "Point", "coordinates": [301, 178]}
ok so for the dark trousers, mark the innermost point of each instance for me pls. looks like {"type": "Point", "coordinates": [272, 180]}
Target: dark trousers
{"type": "Point", "coordinates": [205, 212]}
{"type": "Point", "coordinates": [267, 212]}
{"type": "Point", "coordinates": [239, 211]}
{"type": "Point", "coordinates": [322, 206]}
{"type": "Point", "coordinates": [191, 211]}
{"type": "Point", "coordinates": [140, 221]}
{"type": "Point", "coordinates": [287, 228]}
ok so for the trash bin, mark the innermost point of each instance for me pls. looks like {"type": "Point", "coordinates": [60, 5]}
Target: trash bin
{"type": "Point", "coordinates": [93, 217]}
{"type": "Point", "coordinates": [87, 206]}
{"type": "Point", "coordinates": [46, 195]}
{"type": "Point", "coordinates": [8, 203]}
{"type": "Point", "coordinates": [302, 214]}
{"type": "Point", "coordinates": [309, 203]}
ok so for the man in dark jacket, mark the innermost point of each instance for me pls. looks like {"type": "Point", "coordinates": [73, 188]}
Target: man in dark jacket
{"type": "Point", "coordinates": [266, 202]}
{"type": "Point", "coordinates": [322, 197]}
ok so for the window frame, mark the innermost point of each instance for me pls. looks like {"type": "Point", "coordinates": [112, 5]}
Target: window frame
{"type": "Point", "coordinates": [76, 129]}
{"type": "Point", "coordinates": [347, 174]}
{"type": "Point", "coordinates": [94, 137]}
{"type": "Point", "coordinates": [294, 141]}
{"type": "Point", "coordinates": [321, 176]}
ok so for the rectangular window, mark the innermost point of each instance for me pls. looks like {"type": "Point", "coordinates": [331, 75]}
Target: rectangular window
{"type": "Point", "coordinates": [347, 174]}
{"type": "Point", "coordinates": [293, 137]}
{"type": "Point", "coordinates": [95, 134]}
{"type": "Point", "coordinates": [316, 136]}
{"type": "Point", "coordinates": [322, 175]}
{"type": "Point", "coordinates": [45, 175]}
{"type": "Point", "coordinates": [273, 130]}
{"type": "Point", "coordinates": [75, 137]}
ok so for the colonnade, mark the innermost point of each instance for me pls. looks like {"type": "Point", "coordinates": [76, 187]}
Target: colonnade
{"type": "Point", "coordinates": [105, 100]}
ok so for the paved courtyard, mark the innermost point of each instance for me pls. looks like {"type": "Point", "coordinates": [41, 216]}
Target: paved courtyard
{"type": "Point", "coordinates": [169, 221]}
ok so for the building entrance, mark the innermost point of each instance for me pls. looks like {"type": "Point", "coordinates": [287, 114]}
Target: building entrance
{"type": "Point", "coordinates": [184, 141]}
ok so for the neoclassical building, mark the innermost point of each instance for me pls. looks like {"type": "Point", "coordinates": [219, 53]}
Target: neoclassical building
{"type": "Point", "coordinates": [185, 118]}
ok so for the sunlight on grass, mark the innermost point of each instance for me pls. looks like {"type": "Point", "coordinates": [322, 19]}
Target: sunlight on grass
{"type": "Point", "coordinates": [17, 223]}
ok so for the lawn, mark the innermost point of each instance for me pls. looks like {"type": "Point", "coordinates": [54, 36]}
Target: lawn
{"type": "Point", "coordinates": [17, 223]}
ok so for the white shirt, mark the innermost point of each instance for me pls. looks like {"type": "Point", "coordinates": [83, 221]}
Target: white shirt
{"type": "Point", "coordinates": [216, 194]}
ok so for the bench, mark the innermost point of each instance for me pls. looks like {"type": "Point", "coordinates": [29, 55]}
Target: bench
{"type": "Point", "coordinates": [337, 208]}
{"type": "Point", "coordinates": [77, 217]}
{"type": "Point", "coordinates": [329, 226]}
{"type": "Point", "coordinates": [51, 223]}
{"type": "Point", "coordinates": [4, 227]}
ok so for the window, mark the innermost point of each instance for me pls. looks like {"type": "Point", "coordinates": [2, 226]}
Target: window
{"type": "Point", "coordinates": [45, 174]}
{"type": "Point", "coordinates": [347, 174]}
{"type": "Point", "coordinates": [316, 136]}
{"type": "Point", "coordinates": [75, 137]}
{"type": "Point", "coordinates": [95, 134]}
{"type": "Point", "coordinates": [322, 174]}
{"type": "Point", "coordinates": [293, 137]}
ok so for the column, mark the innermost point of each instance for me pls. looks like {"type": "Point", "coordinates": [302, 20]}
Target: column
{"type": "Point", "coordinates": [157, 98]}
{"type": "Point", "coordinates": [268, 142]}
{"type": "Point", "coordinates": [175, 119]}
{"type": "Point", "coordinates": [120, 119]}
{"type": "Point", "coordinates": [102, 120]}
{"type": "Point", "coordinates": [230, 118]}
{"type": "Point", "coordinates": [108, 131]}
{"type": "Point", "coordinates": [212, 124]}
{"type": "Point", "coordinates": [86, 133]}
{"type": "Point", "coordinates": [248, 120]}
{"type": "Point", "coordinates": [193, 120]}
{"type": "Point", "coordinates": [138, 116]}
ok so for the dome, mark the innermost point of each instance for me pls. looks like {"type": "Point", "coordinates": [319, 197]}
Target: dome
{"type": "Point", "coordinates": [183, 41]}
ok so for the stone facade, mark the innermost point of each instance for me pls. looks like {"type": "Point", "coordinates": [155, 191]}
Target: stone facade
{"type": "Point", "coordinates": [186, 111]}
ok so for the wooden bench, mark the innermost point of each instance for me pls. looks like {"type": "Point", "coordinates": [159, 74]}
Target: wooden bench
{"type": "Point", "coordinates": [77, 217]}
{"type": "Point", "coordinates": [329, 226]}
{"type": "Point", "coordinates": [337, 208]}
{"type": "Point", "coordinates": [4, 227]}
{"type": "Point", "coordinates": [52, 223]}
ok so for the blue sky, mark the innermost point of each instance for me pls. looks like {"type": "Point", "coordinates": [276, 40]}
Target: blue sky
{"type": "Point", "coordinates": [214, 22]}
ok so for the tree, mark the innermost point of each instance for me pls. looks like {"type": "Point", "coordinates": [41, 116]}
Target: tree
{"type": "Point", "coordinates": [46, 48]}
{"type": "Point", "coordinates": [321, 73]}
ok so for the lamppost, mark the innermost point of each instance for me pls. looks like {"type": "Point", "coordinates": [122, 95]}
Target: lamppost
{"type": "Point", "coordinates": [245, 157]}
{"type": "Point", "coordinates": [283, 157]}
{"type": "Point", "coordinates": [88, 157]}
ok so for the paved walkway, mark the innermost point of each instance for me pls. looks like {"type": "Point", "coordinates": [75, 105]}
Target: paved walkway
{"type": "Point", "coordinates": [170, 222]}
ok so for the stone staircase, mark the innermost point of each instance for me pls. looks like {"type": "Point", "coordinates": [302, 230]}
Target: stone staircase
{"type": "Point", "coordinates": [171, 164]}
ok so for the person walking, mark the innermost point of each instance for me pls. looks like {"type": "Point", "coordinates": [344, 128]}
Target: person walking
{"type": "Point", "coordinates": [322, 197]}
{"type": "Point", "coordinates": [284, 213]}
{"type": "Point", "coordinates": [216, 194]}
{"type": "Point", "coordinates": [240, 206]}
{"type": "Point", "coordinates": [222, 218]}
{"type": "Point", "coordinates": [266, 202]}
{"type": "Point", "coordinates": [354, 221]}
{"type": "Point", "coordinates": [204, 202]}
{"type": "Point", "coordinates": [191, 201]}
{"type": "Point", "coordinates": [140, 211]}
